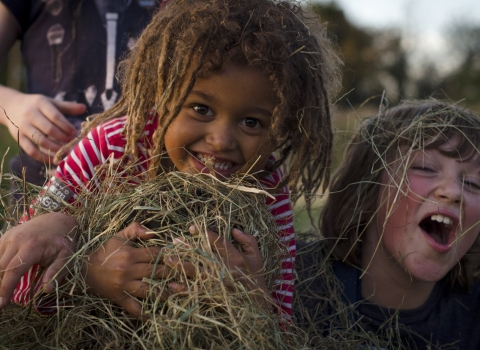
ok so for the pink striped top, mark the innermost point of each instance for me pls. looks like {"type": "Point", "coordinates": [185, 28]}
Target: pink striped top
{"type": "Point", "coordinates": [107, 142]}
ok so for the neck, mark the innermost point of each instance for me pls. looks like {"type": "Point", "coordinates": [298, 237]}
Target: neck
{"type": "Point", "coordinates": [386, 283]}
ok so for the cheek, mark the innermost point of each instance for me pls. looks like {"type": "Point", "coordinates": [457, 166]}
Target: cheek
{"type": "Point", "coordinates": [171, 136]}
{"type": "Point", "coordinates": [467, 241]}
{"type": "Point", "coordinates": [393, 219]}
{"type": "Point", "coordinates": [260, 158]}
{"type": "Point", "coordinates": [471, 226]}
{"type": "Point", "coordinates": [173, 144]}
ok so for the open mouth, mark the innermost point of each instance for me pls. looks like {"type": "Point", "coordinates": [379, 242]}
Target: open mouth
{"type": "Point", "coordinates": [211, 163]}
{"type": "Point", "coordinates": [438, 227]}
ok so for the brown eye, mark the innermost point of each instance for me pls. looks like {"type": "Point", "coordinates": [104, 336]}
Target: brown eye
{"type": "Point", "coordinates": [202, 109]}
{"type": "Point", "coordinates": [251, 123]}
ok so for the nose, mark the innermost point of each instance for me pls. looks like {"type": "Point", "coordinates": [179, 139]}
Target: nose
{"type": "Point", "coordinates": [221, 136]}
{"type": "Point", "coordinates": [449, 189]}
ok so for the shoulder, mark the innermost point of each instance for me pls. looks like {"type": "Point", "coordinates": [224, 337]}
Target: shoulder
{"type": "Point", "coordinates": [317, 287]}
{"type": "Point", "coordinates": [432, 322]}
{"type": "Point", "coordinates": [103, 141]}
{"type": "Point", "coordinates": [314, 263]}
{"type": "Point", "coordinates": [464, 304]}
{"type": "Point", "coordinates": [273, 178]}
{"type": "Point", "coordinates": [271, 183]}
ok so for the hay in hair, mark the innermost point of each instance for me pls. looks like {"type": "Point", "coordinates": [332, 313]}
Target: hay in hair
{"type": "Point", "coordinates": [320, 307]}
{"type": "Point", "coordinates": [217, 313]}
{"type": "Point", "coordinates": [411, 126]}
{"type": "Point", "coordinates": [192, 39]}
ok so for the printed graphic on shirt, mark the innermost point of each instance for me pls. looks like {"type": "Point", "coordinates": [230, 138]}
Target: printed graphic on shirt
{"type": "Point", "coordinates": [56, 195]}
{"type": "Point", "coordinates": [54, 7]}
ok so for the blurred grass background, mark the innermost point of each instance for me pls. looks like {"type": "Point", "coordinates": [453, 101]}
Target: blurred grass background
{"type": "Point", "coordinates": [12, 74]}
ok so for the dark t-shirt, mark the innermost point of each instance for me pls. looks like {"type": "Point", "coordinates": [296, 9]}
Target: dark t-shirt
{"type": "Point", "coordinates": [449, 319]}
{"type": "Point", "coordinates": [71, 49]}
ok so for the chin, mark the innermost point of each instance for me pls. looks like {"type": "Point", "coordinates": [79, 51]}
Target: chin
{"type": "Point", "coordinates": [426, 271]}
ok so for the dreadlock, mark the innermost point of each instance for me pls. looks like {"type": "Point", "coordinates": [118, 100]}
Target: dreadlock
{"type": "Point", "coordinates": [191, 39]}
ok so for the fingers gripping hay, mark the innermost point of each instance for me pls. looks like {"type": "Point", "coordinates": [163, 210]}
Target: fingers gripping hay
{"type": "Point", "coordinates": [216, 313]}
{"type": "Point", "coordinates": [169, 205]}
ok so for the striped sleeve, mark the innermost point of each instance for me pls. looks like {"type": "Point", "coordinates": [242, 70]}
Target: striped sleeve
{"type": "Point", "coordinates": [74, 174]}
{"type": "Point", "coordinates": [281, 209]}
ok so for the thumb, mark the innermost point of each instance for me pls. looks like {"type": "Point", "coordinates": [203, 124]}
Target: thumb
{"type": "Point", "coordinates": [69, 107]}
{"type": "Point", "coordinates": [247, 242]}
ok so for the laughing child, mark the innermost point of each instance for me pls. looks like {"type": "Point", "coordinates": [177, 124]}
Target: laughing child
{"type": "Point", "coordinates": [401, 225]}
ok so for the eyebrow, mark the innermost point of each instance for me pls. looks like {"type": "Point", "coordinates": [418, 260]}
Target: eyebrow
{"type": "Point", "coordinates": [210, 98]}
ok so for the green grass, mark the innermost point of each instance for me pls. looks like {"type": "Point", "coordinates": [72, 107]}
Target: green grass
{"type": "Point", "coordinates": [7, 143]}
{"type": "Point", "coordinates": [8, 149]}
{"type": "Point", "coordinates": [345, 122]}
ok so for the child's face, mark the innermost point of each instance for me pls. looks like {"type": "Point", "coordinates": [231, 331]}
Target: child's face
{"type": "Point", "coordinates": [224, 119]}
{"type": "Point", "coordinates": [436, 188]}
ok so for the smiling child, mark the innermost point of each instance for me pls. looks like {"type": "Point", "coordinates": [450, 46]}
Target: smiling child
{"type": "Point", "coordinates": [402, 222]}
{"type": "Point", "coordinates": [210, 85]}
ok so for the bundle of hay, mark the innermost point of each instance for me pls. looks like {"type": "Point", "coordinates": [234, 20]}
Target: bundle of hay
{"type": "Point", "coordinates": [217, 312]}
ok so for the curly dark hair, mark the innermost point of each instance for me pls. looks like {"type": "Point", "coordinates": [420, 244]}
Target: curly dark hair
{"type": "Point", "coordinates": [192, 39]}
{"type": "Point", "coordinates": [355, 186]}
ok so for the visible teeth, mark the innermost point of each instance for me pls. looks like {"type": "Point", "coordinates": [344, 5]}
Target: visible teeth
{"type": "Point", "coordinates": [220, 166]}
{"type": "Point", "coordinates": [440, 218]}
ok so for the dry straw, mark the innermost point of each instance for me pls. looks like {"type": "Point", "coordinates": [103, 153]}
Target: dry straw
{"type": "Point", "coordinates": [217, 313]}
{"type": "Point", "coordinates": [384, 144]}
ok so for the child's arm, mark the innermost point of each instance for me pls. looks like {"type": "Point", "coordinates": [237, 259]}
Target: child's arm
{"type": "Point", "coordinates": [47, 240]}
{"type": "Point", "coordinates": [283, 213]}
{"type": "Point", "coordinates": [115, 271]}
{"type": "Point", "coordinates": [281, 209]}
{"type": "Point", "coordinates": [73, 173]}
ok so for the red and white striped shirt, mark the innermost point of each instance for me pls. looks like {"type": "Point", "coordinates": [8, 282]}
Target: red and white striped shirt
{"type": "Point", "coordinates": [107, 142]}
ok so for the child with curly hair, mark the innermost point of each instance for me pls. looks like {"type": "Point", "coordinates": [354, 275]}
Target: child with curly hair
{"type": "Point", "coordinates": [223, 83]}
{"type": "Point", "coordinates": [401, 227]}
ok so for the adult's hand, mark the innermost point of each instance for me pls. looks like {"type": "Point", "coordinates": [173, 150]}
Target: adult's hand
{"type": "Point", "coordinates": [38, 121]}
{"type": "Point", "coordinates": [116, 270]}
{"type": "Point", "coordinates": [47, 240]}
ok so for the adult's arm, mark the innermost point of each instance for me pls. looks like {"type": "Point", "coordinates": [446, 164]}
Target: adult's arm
{"type": "Point", "coordinates": [9, 31]}
{"type": "Point", "coordinates": [38, 121]}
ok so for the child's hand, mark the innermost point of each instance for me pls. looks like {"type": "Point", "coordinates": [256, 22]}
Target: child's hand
{"type": "Point", "coordinates": [245, 265]}
{"type": "Point", "coordinates": [47, 240]}
{"type": "Point", "coordinates": [116, 270]}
